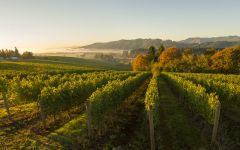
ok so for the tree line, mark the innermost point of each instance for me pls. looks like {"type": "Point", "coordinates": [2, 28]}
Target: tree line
{"type": "Point", "coordinates": [184, 60]}
{"type": "Point", "coordinates": [7, 53]}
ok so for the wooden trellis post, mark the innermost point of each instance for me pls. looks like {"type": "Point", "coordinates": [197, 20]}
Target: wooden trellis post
{"type": "Point", "coordinates": [42, 114]}
{"type": "Point", "coordinates": [6, 106]}
{"type": "Point", "coordinates": [216, 123]}
{"type": "Point", "coordinates": [89, 119]}
{"type": "Point", "coordinates": [151, 128]}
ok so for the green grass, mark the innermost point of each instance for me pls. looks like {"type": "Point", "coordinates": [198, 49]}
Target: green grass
{"type": "Point", "coordinates": [26, 108]}
{"type": "Point", "coordinates": [27, 131]}
{"type": "Point", "coordinates": [63, 138]}
{"type": "Point", "coordinates": [176, 128]}
{"type": "Point", "coordinates": [87, 62]}
{"type": "Point", "coordinates": [71, 133]}
{"type": "Point", "coordinates": [56, 63]}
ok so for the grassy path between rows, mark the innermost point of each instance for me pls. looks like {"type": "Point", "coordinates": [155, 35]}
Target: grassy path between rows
{"type": "Point", "coordinates": [27, 132]}
{"type": "Point", "coordinates": [126, 127]}
{"type": "Point", "coordinates": [176, 129]}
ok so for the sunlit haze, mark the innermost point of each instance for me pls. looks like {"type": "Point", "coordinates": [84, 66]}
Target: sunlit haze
{"type": "Point", "coordinates": [44, 24]}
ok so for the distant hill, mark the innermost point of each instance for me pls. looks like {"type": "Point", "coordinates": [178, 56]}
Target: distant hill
{"type": "Point", "coordinates": [216, 42]}
{"type": "Point", "coordinates": [198, 40]}
{"type": "Point", "coordinates": [133, 44]}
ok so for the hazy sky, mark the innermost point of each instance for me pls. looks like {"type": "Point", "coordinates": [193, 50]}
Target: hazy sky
{"type": "Point", "coordinates": [40, 24]}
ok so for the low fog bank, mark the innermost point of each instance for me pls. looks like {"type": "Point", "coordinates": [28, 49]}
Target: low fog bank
{"type": "Point", "coordinates": [120, 56]}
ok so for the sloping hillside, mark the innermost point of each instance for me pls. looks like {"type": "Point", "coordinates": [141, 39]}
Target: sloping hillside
{"type": "Point", "coordinates": [216, 42]}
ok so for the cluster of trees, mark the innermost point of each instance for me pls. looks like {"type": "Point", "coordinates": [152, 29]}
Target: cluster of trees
{"type": "Point", "coordinates": [184, 60]}
{"type": "Point", "coordinates": [144, 62]}
{"type": "Point", "coordinates": [27, 55]}
{"type": "Point", "coordinates": [102, 56]}
{"type": "Point", "coordinates": [9, 53]}
{"type": "Point", "coordinates": [135, 52]}
{"type": "Point", "coordinates": [15, 53]}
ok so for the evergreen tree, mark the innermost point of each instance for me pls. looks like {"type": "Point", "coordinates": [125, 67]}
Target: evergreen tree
{"type": "Point", "coordinates": [151, 53]}
{"type": "Point", "coordinates": [16, 52]}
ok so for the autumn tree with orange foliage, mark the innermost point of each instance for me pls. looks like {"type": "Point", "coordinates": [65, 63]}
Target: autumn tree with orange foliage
{"type": "Point", "coordinates": [169, 54]}
{"type": "Point", "coordinates": [169, 58]}
{"type": "Point", "coordinates": [185, 60]}
{"type": "Point", "coordinates": [227, 60]}
{"type": "Point", "coordinates": [141, 63]}
{"type": "Point", "coordinates": [187, 52]}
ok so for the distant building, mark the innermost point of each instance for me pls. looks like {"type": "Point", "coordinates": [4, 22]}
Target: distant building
{"type": "Point", "coordinates": [13, 58]}
{"type": "Point", "coordinates": [125, 54]}
{"type": "Point", "coordinates": [9, 58]}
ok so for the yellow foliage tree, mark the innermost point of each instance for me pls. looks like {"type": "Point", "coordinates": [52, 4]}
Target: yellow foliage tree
{"type": "Point", "coordinates": [169, 55]}
{"type": "Point", "coordinates": [141, 63]}
{"type": "Point", "coordinates": [169, 59]}
{"type": "Point", "coordinates": [227, 60]}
